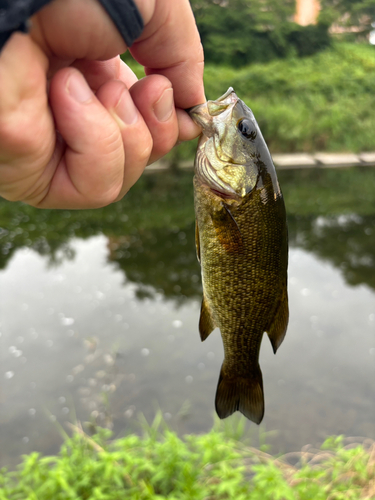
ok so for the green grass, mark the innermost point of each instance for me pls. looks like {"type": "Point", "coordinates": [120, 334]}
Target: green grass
{"type": "Point", "coordinates": [160, 465]}
{"type": "Point", "coordinates": [316, 103]}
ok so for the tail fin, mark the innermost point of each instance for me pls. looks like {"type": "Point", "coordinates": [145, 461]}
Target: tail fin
{"type": "Point", "coordinates": [242, 394]}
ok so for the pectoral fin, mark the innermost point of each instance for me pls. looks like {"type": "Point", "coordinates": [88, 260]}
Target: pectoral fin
{"type": "Point", "coordinates": [206, 323]}
{"type": "Point", "coordinates": [276, 332]}
{"type": "Point", "coordinates": [197, 244]}
{"type": "Point", "coordinates": [227, 230]}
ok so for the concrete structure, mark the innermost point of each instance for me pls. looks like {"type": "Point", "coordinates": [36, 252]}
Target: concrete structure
{"type": "Point", "coordinates": [307, 12]}
{"type": "Point", "coordinates": [295, 161]}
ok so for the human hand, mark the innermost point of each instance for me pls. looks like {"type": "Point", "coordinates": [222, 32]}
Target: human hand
{"type": "Point", "coordinates": [110, 126]}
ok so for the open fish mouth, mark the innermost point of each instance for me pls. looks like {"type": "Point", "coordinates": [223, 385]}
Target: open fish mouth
{"type": "Point", "coordinates": [203, 114]}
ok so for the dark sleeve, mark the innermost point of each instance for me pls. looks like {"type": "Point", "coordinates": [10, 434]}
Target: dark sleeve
{"type": "Point", "coordinates": [126, 16]}
{"type": "Point", "coordinates": [14, 16]}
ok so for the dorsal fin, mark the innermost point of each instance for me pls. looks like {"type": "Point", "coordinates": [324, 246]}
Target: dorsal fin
{"type": "Point", "coordinates": [206, 322]}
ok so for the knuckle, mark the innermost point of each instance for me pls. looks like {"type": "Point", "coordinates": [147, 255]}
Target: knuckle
{"type": "Point", "coordinates": [111, 143]}
{"type": "Point", "coordinates": [21, 137]}
{"type": "Point", "coordinates": [166, 142]}
{"type": "Point", "coordinates": [145, 154]}
{"type": "Point", "coordinates": [10, 139]}
{"type": "Point", "coordinates": [10, 195]}
{"type": "Point", "coordinates": [109, 197]}
{"type": "Point", "coordinates": [144, 149]}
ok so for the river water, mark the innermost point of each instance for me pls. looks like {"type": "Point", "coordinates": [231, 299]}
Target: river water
{"type": "Point", "coordinates": [99, 325]}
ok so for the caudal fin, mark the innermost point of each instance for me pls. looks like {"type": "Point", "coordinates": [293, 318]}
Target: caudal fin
{"type": "Point", "coordinates": [240, 394]}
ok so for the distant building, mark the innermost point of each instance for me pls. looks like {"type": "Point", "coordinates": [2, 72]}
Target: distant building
{"type": "Point", "coordinates": [307, 12]}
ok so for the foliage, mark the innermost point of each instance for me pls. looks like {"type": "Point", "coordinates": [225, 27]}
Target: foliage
{"type": "Point", "coordinates": [319, 103]}
{"type": "Point", "coordinates": [307, 40]}
{"type": "Point", "coordinates": [160, 465]}
{"type": "Point", "coordinates": [239, 32]}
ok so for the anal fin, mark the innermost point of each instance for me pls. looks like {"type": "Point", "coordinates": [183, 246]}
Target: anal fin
{"type": "Point", "coordinates": [206, 323]}
{"type": "Point", "coordinates": [276, 332]}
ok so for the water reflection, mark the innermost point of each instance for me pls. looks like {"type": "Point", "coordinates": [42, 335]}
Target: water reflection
{"type": "Point", "coordinates": [346, 241]}
{"type": "Point", "coordinates": [162, 260]}
{"type": "Point", "coordinates": [154, 245]}
{"type": "Point", "coordinates": [100, 311]}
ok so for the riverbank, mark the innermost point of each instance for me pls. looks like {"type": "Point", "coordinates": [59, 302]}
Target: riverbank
{"type": "Point", "coordinates": [216, 465]}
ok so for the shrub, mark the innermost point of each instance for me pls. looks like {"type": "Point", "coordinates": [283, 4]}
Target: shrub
{"type": "Point", "coordinates": [160, 466]}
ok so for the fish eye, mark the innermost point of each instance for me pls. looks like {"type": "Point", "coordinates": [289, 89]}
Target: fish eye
{"type": "Point", "coordinates": [245, 126]}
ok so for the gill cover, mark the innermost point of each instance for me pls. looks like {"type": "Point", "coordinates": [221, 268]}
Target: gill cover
{"type": "Point", "coordinates": [231, 150]}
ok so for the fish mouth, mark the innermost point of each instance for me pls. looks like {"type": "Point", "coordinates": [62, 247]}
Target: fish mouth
{"type": "Point", "coordinates": [203, 114]}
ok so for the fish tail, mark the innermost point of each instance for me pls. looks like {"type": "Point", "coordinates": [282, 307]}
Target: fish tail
{"type": "Point", "coordinates": [244, 394]}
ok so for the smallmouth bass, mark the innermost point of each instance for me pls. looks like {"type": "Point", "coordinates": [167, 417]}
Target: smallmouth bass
{"type": "Point", "coordinates": [242, 247]}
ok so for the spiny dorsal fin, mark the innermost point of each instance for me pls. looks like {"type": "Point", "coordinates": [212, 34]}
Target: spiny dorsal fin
{"type": "Point", "coordinates": [206, 323]}
{"type": "Point", "coordinates": [197, 244]}
{"type": "Point", "coordinates": [276, 332]}
{"type": "Point", "coordinates": [227, 230]}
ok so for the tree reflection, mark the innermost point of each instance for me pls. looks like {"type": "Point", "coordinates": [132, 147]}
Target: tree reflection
{"type": "Point", "coordinates": [163, 258]}
{"type": "Point", "coordinates": [346, 241]}
{"type": "Point", "coordinates": [151, 231]}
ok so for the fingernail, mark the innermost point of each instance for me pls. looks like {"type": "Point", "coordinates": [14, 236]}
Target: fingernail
{"type": "Point", "coordinates": [126, 110]}
{"type": "Point", "coordinates": [163, 108]}
{"type": "Point", "coordinates": [78, 88]}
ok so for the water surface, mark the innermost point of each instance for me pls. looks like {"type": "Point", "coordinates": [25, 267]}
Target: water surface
{"type": "Point", "coordinates": [100, 312]}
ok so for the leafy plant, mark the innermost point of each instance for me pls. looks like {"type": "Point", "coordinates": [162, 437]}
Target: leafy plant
{"type": "Point", "coordinates": [212, 466]}
{"type": "Point", "coordinates": [318, 103]}
{"type": "Point", "coordinates": [239, 32]}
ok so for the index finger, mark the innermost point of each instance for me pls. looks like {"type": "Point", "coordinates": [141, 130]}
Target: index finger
{"type": "Point", "coordinates": [170, 45]}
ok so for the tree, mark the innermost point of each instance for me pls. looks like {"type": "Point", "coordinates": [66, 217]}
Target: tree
{"type": "Point", "coordinates": [241, 31]}
{"type": "Point", "coordinates": [238, 32]}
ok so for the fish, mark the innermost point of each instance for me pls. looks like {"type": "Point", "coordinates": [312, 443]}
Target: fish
{"type": "Point", "coordinates": [242, 247]}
